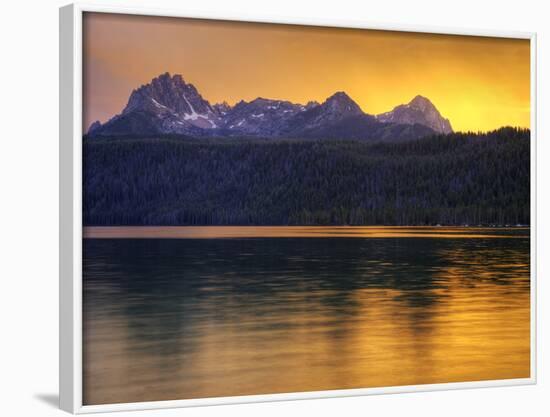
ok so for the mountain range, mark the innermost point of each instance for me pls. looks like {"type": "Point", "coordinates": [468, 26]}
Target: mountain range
{"type": "Point", "coordinates": [170, 105]}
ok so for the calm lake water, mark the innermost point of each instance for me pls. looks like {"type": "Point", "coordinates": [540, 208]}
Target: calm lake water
{"type": "Point", "coordinates": [177, 313]}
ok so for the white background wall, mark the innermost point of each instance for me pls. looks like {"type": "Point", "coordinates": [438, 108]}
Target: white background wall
{"type": "Point", "coordinates": [29, 207]}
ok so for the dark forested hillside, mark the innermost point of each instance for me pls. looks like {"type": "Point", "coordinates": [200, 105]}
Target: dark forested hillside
{"type": "Point", "coordinates": [447, 179]}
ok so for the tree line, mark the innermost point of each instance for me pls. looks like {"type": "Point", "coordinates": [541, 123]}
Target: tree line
{"type": "Point", "coordinates": [456, 179]}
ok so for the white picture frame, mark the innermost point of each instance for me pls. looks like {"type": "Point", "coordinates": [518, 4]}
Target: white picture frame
{"type": "Point", "coordinates": [70, 153]}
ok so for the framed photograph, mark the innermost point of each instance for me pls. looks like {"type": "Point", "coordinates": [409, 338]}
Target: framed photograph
{"type": "Point", "coordinates": [256, 210]}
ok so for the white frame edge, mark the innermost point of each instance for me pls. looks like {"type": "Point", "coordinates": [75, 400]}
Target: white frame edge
{"type": "Point", "coordinates": [70, 211]}
{"type": "Point", "coordinates": [69, 276]}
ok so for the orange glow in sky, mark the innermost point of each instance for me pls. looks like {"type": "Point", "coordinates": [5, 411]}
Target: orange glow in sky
{"type": "Point", "coordinates": [479, 83]}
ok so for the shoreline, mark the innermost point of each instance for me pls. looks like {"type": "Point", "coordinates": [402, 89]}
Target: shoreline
{"type": "Point", "coordinates": [220, 232]}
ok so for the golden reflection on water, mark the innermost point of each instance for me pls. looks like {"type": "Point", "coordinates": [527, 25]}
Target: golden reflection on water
{"type": "Point", "coordinates": [217, 232]}
{"type": "Point", "coordinates": [254, 317]}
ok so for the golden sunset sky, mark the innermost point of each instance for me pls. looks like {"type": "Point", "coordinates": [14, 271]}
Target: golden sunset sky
{"type": "Point", "coordinates": [478, 83]}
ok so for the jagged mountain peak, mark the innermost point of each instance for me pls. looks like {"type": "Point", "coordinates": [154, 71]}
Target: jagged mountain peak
{"type": "Point", "coordinates": [342, 103]}
{"type": "Point", "coordinates": [167, 104]}
{"type": "Point", "coordinates": [420, 110]}
{"type": "Point", "coordinates": [171, 92]}
{"type": "Point", "coordinates": [222, 108]}
{"type": "Point", "coordinates": [337, 107]}
{"type": "Point", "coordinates": [421, 103]}
{"type": "Point", "coordinates": [260, 117]}
{"type": "Point", "coordinates": [311, 104]}
{"type": "Point", "coordinates": [339, 95]}
{"type": "Point", "coordinates": [166, 76]}
{"type": "Point", "coordinates": [163, 83]}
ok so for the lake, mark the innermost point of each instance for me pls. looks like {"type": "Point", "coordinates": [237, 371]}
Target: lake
{"type": "Point", "coordinates": [188, 312]}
